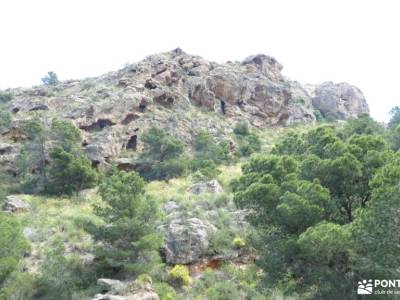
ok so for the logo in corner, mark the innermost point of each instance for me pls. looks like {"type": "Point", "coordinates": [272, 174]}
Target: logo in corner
{"type": "Point", "coordinates": [365, 287]}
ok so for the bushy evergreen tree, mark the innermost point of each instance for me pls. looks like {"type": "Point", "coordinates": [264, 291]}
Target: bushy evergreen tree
{"type": "Point", "coordinates": [50, 79]}
{"type": "Point", "coordinates": [62, 274]}
{"type": "Point", "coordinates": [248, 141]}
{"type": "Point", "coordinates": [32, 159]}
{"type": "Point", "coordinates": [70, 172]}
{"type": "Point", "coordinates": [306, 198]}
{"type": "Point", "coordinates": [208, 153]}
{"type": "Point", "coordinates": [130, 242]}
{"type": "Point", "coordinates": [163, 155]}
{"type": "Point", "coordinates": [51, 159]}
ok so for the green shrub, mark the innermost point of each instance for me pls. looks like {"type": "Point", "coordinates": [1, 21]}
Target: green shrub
{"type": "Point", "coordinates": [223, 291]}
{"type": "Point", "coordinates": [165, 291]}
{"type": "Point", "coordinates": [207, 148]}
{"type": "Point", "coordinates": [394, 117]}
{"type": "Point", "coordinates": [221, 241]}
{"type": "Point", "coordinates": [222, 152]}
{"type": "Point", "coordinates": [364, 124]}
{"type": "Point", "coordinates": [170, 169]}
{"type": "Point", "coordinates": [238, 242]}
{"type": "Point", "coordinates": [395, 138]}
{"type": "Point", "coordinates": [5, 97]}
{"type": "Point", "coordinates": [245, 150]}
{"type": "Point", "coordinates": [50, 79]}
{"type": "Point", "coordinates": [179, 275]}
{"type": "Point", "coordinates": [249, 144]}
{"type": "Point", "coordinates": [5, 119]}
{"type": "Point", "coordinates": [222, 200]}
{"type": "Point", "coordinates": [241, 128]}
{"type": "Point", "coordinates": [144, 278]}
{"type": "Point", "coordinates": [204, 169]}
{"type": "Point", "coordinates": [163, 155]}
{"type": "Point", "coordinates": [303, 198]}
{"type": "Point", "coordinates": [331, 117]}
{"type": "Point", "coordinates": [161, 146]}
{"type": "Point", "coordinates": [61, 275]}
{"type": "Point", "coordinates": [18, 285]}
{"type": "Point", "coordinates": [318, 116]}
{"type": "Point", "coordinates": [70, 172]}
{"type": "Point", "coordinates": [202, 141]}
{"type": "Point", "coordinates": [13, 245]}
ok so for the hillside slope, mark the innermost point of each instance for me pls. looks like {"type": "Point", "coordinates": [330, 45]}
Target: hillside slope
{"type": "Point", "coordinates": [183, 232]}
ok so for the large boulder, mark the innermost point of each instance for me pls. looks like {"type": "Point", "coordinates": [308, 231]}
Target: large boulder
{"type": "Point", "coordinates": [186, 240]}
{"type": "Point", "coordinates": [14, 204]}
{"type": "Point", "coordinates": [300, 108]}
{"type": "Point", "coordinates": [118, 290]}
{"type": "Point", "coordinates": [107, 284]}
{"type": "Point", "coordinates": [6, 148]}
{"type": "Point", "coordinates": [170, 207]}
{"type": "Point", "coordinates": [141, 295]}
{"type": "Point", "coordinates": [340, 101]}
{"type": "Point", "coordinates": [212, 186]}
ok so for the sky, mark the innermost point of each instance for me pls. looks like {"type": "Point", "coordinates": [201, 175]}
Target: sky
{"type": "Point", "coordinates": [356, 41]}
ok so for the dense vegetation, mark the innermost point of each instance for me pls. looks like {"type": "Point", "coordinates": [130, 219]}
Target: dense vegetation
{"type": "Point", "coordinates": [322, 205]}
{"type": "Point", "coordinates": [308, 199]}
{"type": "Point", "coordinates": [69, 169]}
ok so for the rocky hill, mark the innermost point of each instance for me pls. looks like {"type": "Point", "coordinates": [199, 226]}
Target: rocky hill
{"type": "Point", "coordinates": [181, 93]}
{"type": "Point", "coordinates": [200, 217]}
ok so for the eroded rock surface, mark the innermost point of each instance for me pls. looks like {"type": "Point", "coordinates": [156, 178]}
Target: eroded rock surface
{"type": "Point", "coordinates": [167, 90]}
{"type": "Point", "coordinates": [14, 204]}
{"type": "Point", "coordinates": [118, 290]}
{"type": "Point", "coordinates": [211, 186]}
{"type": "Point", "coordinates": [186, 240]}
{"type": "Point", "coordinates": [340, 101]}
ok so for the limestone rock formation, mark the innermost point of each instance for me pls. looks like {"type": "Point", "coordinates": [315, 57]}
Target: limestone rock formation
{"type": "Point", "coordinates": [141, 295]}
{"type": "Point", "coordinates": [170, 207]}
{"type": "Point", "coordinates": [340, 101]}
{"type": "Point", "coordinates": [186, 240]}
{"type": "Point", "coordinates": [118, 290]}
{"type": "Point", "coordinates": [211, 186]}
{"type": "Point", "coordinates": [14, 204]}
{"type": "Point", "coordinates": [167, 90]}
{"type": "Point", "coordinates": [110, 284]}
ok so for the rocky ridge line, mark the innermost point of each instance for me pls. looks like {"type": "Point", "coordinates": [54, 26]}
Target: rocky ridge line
{"type": "Point", "coordinates": [181, 93]}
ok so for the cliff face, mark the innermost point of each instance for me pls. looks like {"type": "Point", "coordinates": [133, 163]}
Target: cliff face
{"type": "Point", "coordinates": [181, 93]}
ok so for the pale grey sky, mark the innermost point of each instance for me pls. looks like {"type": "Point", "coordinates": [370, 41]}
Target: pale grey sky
{"type": "Point", "coordinates": [316, 40]}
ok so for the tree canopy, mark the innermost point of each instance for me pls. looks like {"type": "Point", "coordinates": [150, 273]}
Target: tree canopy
{"type": "Point", "coordinates": [320, 202]}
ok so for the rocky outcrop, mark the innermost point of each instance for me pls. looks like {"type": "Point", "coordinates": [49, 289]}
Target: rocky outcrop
{"type": "Point", "coordinates": [186, 240]}
{"type": "Point", "coordinates": [170, 207]}
{"type": "Point", "coordinates": [167, 90]}
{"type": "Point", "coordinates": [254, 89]}
{"type": "Point", "coordinates": [339, 101]}
{"type": "Point", "coordinates": [212, 186]}
{"type": "Point", "coordinates": [108, 285]}
{"type": "Point", "coordinates": [118, 290]}
{"type": "Point", "coordinates": [8, 153]}
{"type": "Point", "coordinates": [141, 295]}
{"type": "Point", "coordinates": [14, 204]}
